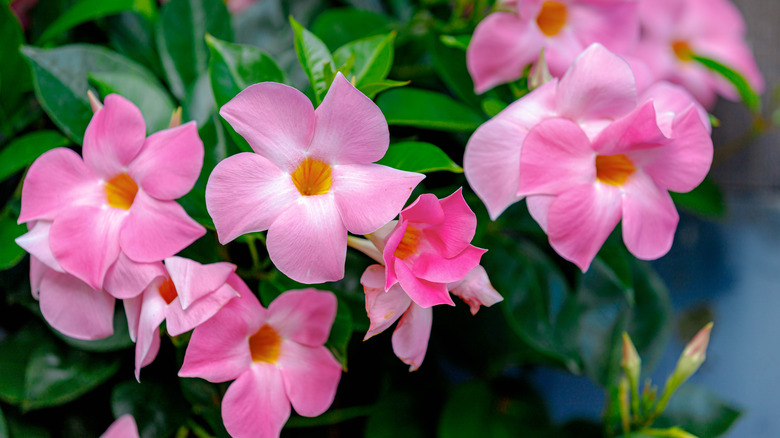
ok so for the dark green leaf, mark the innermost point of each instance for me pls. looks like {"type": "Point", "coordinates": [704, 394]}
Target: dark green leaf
{"type": "Point", "coordinates": [181, 31]}
{"type": "Point", "coordinates": [617, 263]}
{"type": "Point", "coordinates": [15, 352]}
{"type": "Point", "coordinates": [385, 421]}
{"type": "Point", "coordinates": [21, 152]}
{"type": "Point", "coordinates": [84, 11]}
{"type": "Point", "coordinates": [450, 64]}
{"type": "Point", "coordinates": [746, 92]}
{"type": "Point", "coordinates": [151, 98]}
{"type": "Point", "coordinates": [10, 252]}
{"type": "Point", "coordinates": [198, 104]}
{"type": "Point", "coordinates": [314, 57]}
{"type": "Point", "coordinates": [706, 200]}
{"type": "Point", "coordinates": [158, 409]}
{"type": "Point", "coordinates": [372, 58]}
{"type": "Point", "coordinates": [3, 426]}
{"type": "Point", "coordinates": [417, 156]}
{"type": "Point", "coordinates": [427, 109]}
{"type": "Point", "coordinates": [340, 334]}
{"type": "Point", "coordinates": [132, 35]}
{"type": "Point", "coordinates": [371, 90]}
{"type": "Point", "coordinates": [698, 411]}
{"type": "Point", "coordinates": [338, 26]}
{"type": "Point", "coordinates": [206, 401]}
{"type": "Point", "coordinates": [460, 42]}
{"type": "Point", "coordinates": [14, 72]}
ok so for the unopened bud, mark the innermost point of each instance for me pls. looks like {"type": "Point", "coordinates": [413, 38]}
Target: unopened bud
{"type": "Point", "coordinates": [540, 73]}
{"type": "Point", "coordinates": [94, 102]}
{"type": "Point", "coordinates": [175, 118]}
{"type": "Point", "coordinates": [694, 354]}
{"type": "Point", "coordinates": [631, 362]}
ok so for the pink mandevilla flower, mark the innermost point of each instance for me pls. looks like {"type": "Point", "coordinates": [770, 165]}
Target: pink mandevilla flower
{"type": "Point", "coordinates": [674, 30]}
{"type": "Point", "coordinates": [311, 179]}
{"type": "Point", "coordinates": [123, 427]}
{"type": "Point", "coordinates": [118, 200]}
{"type": "Point", "coordinates": [276, 356]}
{"type": "Point", "coordinates": [504, 43]}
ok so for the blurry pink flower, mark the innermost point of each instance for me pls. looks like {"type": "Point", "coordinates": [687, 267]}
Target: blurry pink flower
{"type": "Point", "coordinates": [123, 427]}
{"type": "Point", "coordinates": [184, 293]}
{"type": "Point", "coordinates": [277, 357]}
{"type": "Point", "coordinates": [505, 43]}
{"type": "Point", "coordinates": [311, 179]}
{"type": "Point", "coordinates": [475, 290]}
{"type": "Point", "coordinates": [22, 8]}
{"type": "Point", "coordinates": [119, 198]}
{"type": "Point", "coordinates": [673, 30]}
{"type": "Point", "coordinates": [236, 6]}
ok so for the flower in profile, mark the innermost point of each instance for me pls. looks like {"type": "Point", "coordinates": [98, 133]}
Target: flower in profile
{"type": "Point", "coordinates": [312, 178]}
{"type": "Point", "coordinates": [674, 30]}
{"type": "Point", "coordinates": [504, 43]}
{"type": "Point", "coordinates": [184, 294]}
{"type": "Point", "coordinates": [118, 199]}
{"type": "Point", "coordinates": [123, 427]}
{"type": "Point", "coordinates": [276, 356]}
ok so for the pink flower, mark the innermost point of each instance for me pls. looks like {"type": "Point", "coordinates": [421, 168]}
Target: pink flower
{"type": "Point", "coordinates": [237, 6]}
{"type": "Point", "coordinates": [673, 30]}
{"type": "Point", "coordinates": [184, 294]}
{"type": "Point", "coordinates": [276, 356]}
{"type": "Point", "coordinates": [120, 198]}
{"type": "Point", "coordinates": [123, 427]}
{"type": "Point", "coordinates": [475, 290]}
{"type": "Point", "coordinates": [311, 179]}
{"type": "Point", "coordinates": [505, 43]}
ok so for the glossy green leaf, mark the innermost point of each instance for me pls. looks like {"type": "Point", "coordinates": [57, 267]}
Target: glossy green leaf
{"type": "Point", "coordinates": [460, 42]}
{"type": "Point", "coordinates": [315, 58]}
{"type": "Point", "coordinates": [372, 58]}
{"type": "Point", "coordinates": [15, 353]}
{"type": "Point", "coordinates": [698, 411]}
{"type": "Point", "coordinates": [746, 92]}
{"type": "Point", "coordinates": [338, 26]}
{"type": "Point", "coordinates": [132, 35]}
{"type": "Point", "coordinates": [181, 32]}
{"type": "Point", "coordinates": [60, 81]}
{"type": "Point", "coordinates": [198, 103]}
{"type": "Point", "coordinates": [706, 200]}
{"type": "Point", "coordinates": [87, 10]}
{"type": "Point", "coordinates": [10, 252]}
{"type": "Point", "coordinates": [14, 72]}
{"type": "Point", "coordinates": [340, 334]}
{"type": "Point", "coordinates": [374, 88]}
{"type": "Point", "coordinates": [21, 152]}
{"type": "Point", "coordinates": [158, 409]}
{"type": "Point", "coordinates": [417, 156]}
{"type": "Point", "coordinates": [427, 109]}
{"type": "Point", "coordinates": [450, 65]}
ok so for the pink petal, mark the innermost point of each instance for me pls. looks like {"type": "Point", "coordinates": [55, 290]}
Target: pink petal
{"type": "Point", "coordinates": [459, 224]}
{"type": "Point", "coordinates": [308, 241]}
{"type": "Point", "coordinates": [133, 314]}
{"type": "Point", "coordinates": [410, 338]}
{"type": "Point", "coordinates": [85, 240]}
{"type": "Point", "coordinates": [635, 131]}
{"type": "Point", "coordinates": [383, 308]}
{"type": "Point", "coordinates": [432, 267]}
{"type": "Point", "coordinates": [426, 208]}
{"type": "Point", "coordinates": [615, 24]}
{"type": "Point", "coordinates": [670, 100]}
{"type": "Point", "coordinates": [123, 427]}
{"type": "Point", "coordinates": [388, 253]}
{"type": "Point", "coordinates": [58, 180]}
{"type": "Point", "coordinates": [74, 308]}
{"type": "Point", "coordinates": [114, 137]}
{"type": "Point", "coordinates": [305, 316]}
{"type": "Point", "coordinates": [179, 321]}
{"type": "Point", "coordinates": [502, 45]}
{"type": "Point", "coordinates": [157, 229]}
{"type": "Point", "coordinates": [37, 271]}
{"type": "Point", "coordinates": [310, 375]}
{"type": "Point", "coordinates": [169, 162]}
{"type": "Point", "coordinates": [193, 280]}
{"type": "Point", "coordinates": [370, 195]}
{"type": "Point", "coordinates": [349, 127]}
{"type": "Point", "coordinates": [424, 293]}
{"type": "Point", "coordinates": [152, 315]}
{"type": "Point", "coordinates": [649, 218]}
{"type": "Point", "coordinates": [276, 120]}
{"type": "Point", "coordinates": [539, 208]}
{"type": "Point", "coordinates": [580, 220]}
{"type": "Point", "coordinates": [36, 242]}
{"type": "Point", "coordinates": [556, 155]}
{"type": "Point", "coordinates": [475, 290]}
{"type": "Point", "coordinates": [246, 193]}
{"type": "Point", "coordinates": [127, 279]}
{"type": "Point", "coordinates": [255, 405]}
{"type": "Point", "coordinates": [561, 50]}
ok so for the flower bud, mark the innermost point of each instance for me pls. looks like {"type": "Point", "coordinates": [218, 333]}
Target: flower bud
{"type": "Point", "coordinates": [631, 362]}
{"type": "Point", "coordinates": [693, 355]}
{"type": "Point", "coordinates": [540, 73]}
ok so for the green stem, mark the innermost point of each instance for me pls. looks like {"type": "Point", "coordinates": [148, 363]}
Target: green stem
{"type": "Point", "coordinates": [331, 417]}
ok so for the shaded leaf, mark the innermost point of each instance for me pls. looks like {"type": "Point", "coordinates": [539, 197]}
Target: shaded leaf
{"type": "Point", "coordinates": [14, 72]}
{"type": "Point", "coordinates": [3, 426]}
{"type": "Point", "coordinates": [338, 26]}
{"type": "Point", "coordinates": [372, 58]}
{"type": "Point", "coordinates": [21, 152]}
{"type": "Point", "coordinates": [314, 58]}
{"type": "Point", "coordinates": [372, 89]}
{"type": "Point", "coordinates": [417, 156]}
{"type": "Point", "coordinates": [460, 42]}
{"type": "Point", "coordinates": [158, 409]}
{"type": "Point", "coordinates": [746, 92]}
{"type": "Point", "coordinates": [340, 334]}
{"type": "Point", "coordinates": [706, 200]}
{"type": "Point", "coordinates": [15, 353]}
{"type": "Point", "coordinates": [427, 109]}
{"type": "Point", "coordinates": [10, 252]}
{"type": "Point", "coordinates": [88, 10]}
{"type": "Point", "coordinates": [698, 411]}
{"type": "Point", "coordinates": [132, 35]}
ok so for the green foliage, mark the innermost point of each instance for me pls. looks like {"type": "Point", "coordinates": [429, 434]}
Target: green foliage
{"type": "Point", "coordinates": [417, 156]}
{"type": "Point", "coordinates": [158, 409]}
{"type": "Point", "coordinates": [151, 98]}
{"type": "Point", "coordinates": [88, 10]}
{"type": "Point", "coordinates": [315, 59]}
{"type": "Point", "coordinates": [746, 92]}
{"type": "Point", "coordinates": [21, 152]}
{"type": "Point", "coordinates": [427, 109]}
{"type": "Point", "coordinates": [698, 411]}
{"type": "Point", "coordinates": [14, 72]}
{"type": "Point", "coordinates": [10, 252]}
{"type": "Point", "coordinates": [706, 200]}
{"type": "Point", "coordinates": [339, 26]}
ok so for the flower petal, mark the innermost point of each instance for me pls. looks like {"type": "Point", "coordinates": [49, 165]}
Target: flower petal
{"type": "Point", "coordinates": [179, 321]}
{"type": "Point", "coordinates": [432, 267]}
{"type": "Point", "coordinates": [123, 427]}
{"type": "Point", "coordinates": [426, 208]}
{"type": "Point", "coordinates": [310, 375]}
{"type": "Point", "coordinates": [424, 293]}
{"type": "Point", "coordinates": [127, 279]}
{"type": "Point", "coordinates": [114, 137]}
{"type": "Point", "coordinates": [133, 314]}
{"type": "Point", "coordinates": [459, 225]}
{"type": "Point", "coordinates": [246, 193]}
{"type": "Point", "coordinates": [672, 100]}
{"type": "Point", "coordinates": [349, 127]}
{"type": "Point", "coordinates": [74, 308]}
{"type": "Point", "coordinates": [539, 208]}
{"type": "Point", "coordinates": [37, 271]}
{"type": "Point", "coordinates": [255, 405]}
{"type": "Point", "coordinates": [636, 130]}
{"type": "Point", "coordinates": [649, 218]}
{"type": "Point", "coordinates": [410, 338]}
{"type": "Point", "coordinates": [383, 308]}
{"type": "Point", "coordinates": [193, 280]}
{"type": "Point", "coordinates": [36, 242]}
{"type": "Point", "coordinates": [152, 315]}
{"type": "Point", "coordinates": [305, 315]}
{"type": "Point", "coordinates": [475, 290]}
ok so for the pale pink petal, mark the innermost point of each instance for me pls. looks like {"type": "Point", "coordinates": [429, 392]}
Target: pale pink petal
{"type": "Point", "coordinates": [426, 208]}
{"type": "Point", "coordinates": [58, 180]}
{"type": "Point", "coordinates": [502, 45]}
{"type": "Point", "coordinates": [193, 280]}
{"type": "Point", "coordinates": [539, 208]}
{"type": "Point", "coordinates": [310, 375]}
{"type": "Point", "coordinates": [615, 24]}
{"type": "Point", "coordinates": [74, 308]}
{"type": "Point", "coordinates": [169, 162]}
{"type": "Point", "coordinates": [459, 225]}
{"type": "Point", "coordinates": [424, 293]}
{"type": "Point", "coordinates": [379, 236]}
{"type": "Point", "coordinates": [635, 131]}
{"type": "Point", "coordinates": [246, 193]}
{"type": "Point", "coordinates": [370, 195]}
{"type": "Point", "coordinates": [556, 155]}
{"type": "Point", "coordinates": [36, 242]}
{"type": "Point", "coordinates": [255, 405]}
{"type": "Point", "coordinates": [388, 253]}
{"type": "Point", "coordinates": [349, 127]}
{"type": "Point", "coordinates": [308, 241]}
{"type": "Point", "coordinates": [157, 229]}
{"type": "Point", "coordinates": [179, 321]}
{"type": "Point", "coordinates": [123, 427]}
{"type": "Point", "coordinates": [475, 290]}
{"type": "Point", "coordinates": [561, 50]}
{"type": "Point", "coordinates": [277, 121]}
{"type": "Point", "coordinates": [85, 240]}
{"type": "Point", "coordinates": [410, 338]}
{"type": "Point", "coordinates": [305, 315]}
{"type": "Point", "coordinates": [127, 279]}
{"type": "Point", "coordinates": [432, 267]}
{"type": "Point", "coordinates": [671, 100]}
{"type": "Point", "coordinates": [133, 314]}
{"type": "Point", "coordinates": [383, 308]}
{"type": "Point", "coordinates": [151, 353]}
{"type": "Point", "coordinates": [114, 136]}
{"type": "Point", "coordinates": [37, 271]}
{"type": "Point", "coordinates": [152, 315]}
{"type": "Point", "coordinates": [580, 220]}
{"type": "Point", "coordinates": [649, 218]}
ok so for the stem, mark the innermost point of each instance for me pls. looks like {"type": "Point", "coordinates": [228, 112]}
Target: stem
{"type": "Point", "coordinates": [366, 247]}
{"type": "Point", "coordinates": [332, 417]}
{"type": "Point", "coordinates": [625, 415]}
{"type": "Point", "coordinates": [197, 430]}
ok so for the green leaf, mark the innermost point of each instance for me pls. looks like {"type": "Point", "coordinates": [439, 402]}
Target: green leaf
{"type": "Point", "coordinates": [15, 353]}
{"type": "Point", "coordinates": [372, 58]}
{"type": "Point", "coordinates": [492, 107]}
{"type": "Point", "coordinates": [616, 263]}
{"type": "Point", "coordinates": [427, 109]}
{"type": "Point", "coordinates": [132, 35]}
{"type": "Point", "coordinates": [198, 103]}
{"type": "Point", "coordinates": [417, 156]}
{"type": "Point", "coordinates": [181, 31]}
{"type": "Point", "coordinates": [21, 152]}
{"type": "Point", "coordinates": [338, 26]}
{"type": "Point", "coordinates": [384, 421]}
{"type": "Point", "coordinates": [159, 410]}
{"type": "Point", "coordinates": [460, 42]}
{"type": "Point", "coordinates": [313, 56]}
{"type": "Point", "coordinates": [3, 426]}
{"type": "Point", "coordinates": [206, 401]}
{"type": "Point", "coordinates": [14, 72]}
{"type": "Point", "coordinates": [151, 98]}
{"type": "Point", "coordinates": [746, 92]}
{"type": "Point", "coordinates": [698, 411]}
{"type": "Point", "coordinates": [371, 90]}
{"type": "Point", "coordinates": [82, 12]}
{"type": "Point", "coordinates": [340, 334]}
{"type": "Point", "coordinates": [60, 81]}
{"type": "Point", "coordinates": [706, 200]}
{"type": "Point", "coordinates": [10, 252]}
{"type": "Point", "coordinates": [450, 64]}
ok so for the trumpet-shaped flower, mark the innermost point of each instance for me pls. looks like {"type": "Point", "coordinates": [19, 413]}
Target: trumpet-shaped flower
{"type": "Point", "coordinates": [118, 199]}
{"type": "Point", "coordinates": [276, 356]}
{"type": "Point", "coordinates": [184, 294]}
{"type": "Point", "coordinates": [504, 43]}
{"type": "Point", "coordinates": [312, 177]}
{"type": "Point", "coordinates": [674, 30]}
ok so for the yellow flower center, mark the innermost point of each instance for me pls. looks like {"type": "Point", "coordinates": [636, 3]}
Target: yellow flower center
{"type": "Point", "coordinates": [613, 169]}
{"type": "Point", "coordinates": [121, 191]}
{"type": "Point", "coordinates": [312, 178]}
{"type": "Point", "coordinates": [408, 244]}
{"type": "Point", "coordinates": [167, 291]}
{"type": "Point", "coordinates": [264, 345]}
{"type": "Point", "coordinates": [552, 18]}
{"type": "Point", "coordinates": [683, 51]}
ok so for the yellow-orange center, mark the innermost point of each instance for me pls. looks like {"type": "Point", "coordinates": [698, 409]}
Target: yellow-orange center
{"type": "Point", "coordinates": [552, 18]}
{"type": "Point", "coordinates": [408, 244]}
{"type": "Point", "coordinates": [121, 191]}
{"type": "Point", "coordinates": [264, 345]}
{"type": "Point", "coordinates": [168, 291]}
{"type": "Point", "coordinates": [613, 169]}
{"type": "Point", "coordinates": [312, 177]}
{"type": "Point", "coordinates": [682, 50]}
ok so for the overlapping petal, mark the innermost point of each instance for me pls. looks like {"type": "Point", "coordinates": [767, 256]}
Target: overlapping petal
{"type": "Point", "coordinates": [255, 405]}
{"type": "Point", "coordinates": [310, 375]}
{"type": "Point", "coordinates": [114, 137]}
{"type": "Point", "coordinates": [383, 308]}
{"type": "Point", "coordinates": [649, 218]}
{"type": "Point", "coordinates": [127, 279]}
{"type": "Point", "coordinates": [410, 338]}
{"type": "Point", "coordinates": [305, 316]}
{"type": "Point", "coordinates": [74, 308]}
{"type": "Point", "coordinates": [193, 280]}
